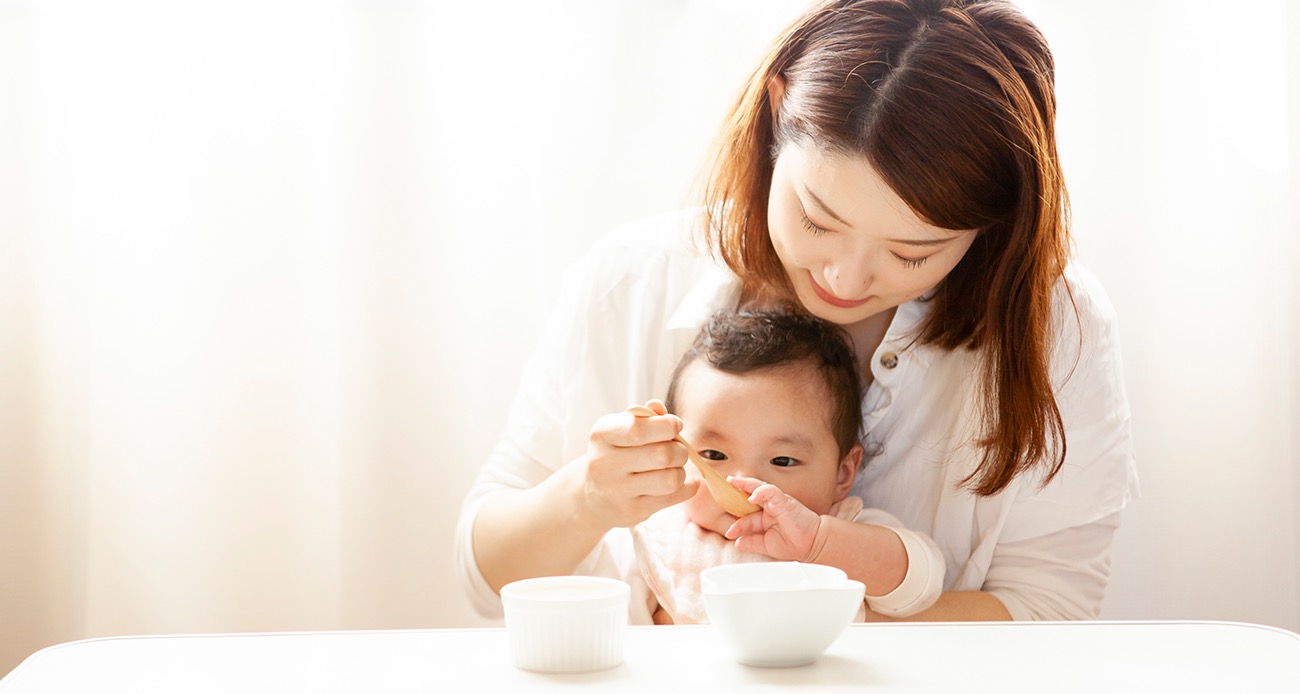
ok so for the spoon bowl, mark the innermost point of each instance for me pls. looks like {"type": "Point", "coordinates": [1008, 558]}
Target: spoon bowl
{"type": "Point", "coordinates": [731, 500]}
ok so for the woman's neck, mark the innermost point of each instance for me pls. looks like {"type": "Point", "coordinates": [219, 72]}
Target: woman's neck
{"type": "Point", "coordinates": [867, 334]}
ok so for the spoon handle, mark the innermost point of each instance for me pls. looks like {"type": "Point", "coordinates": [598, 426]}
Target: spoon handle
{"type": "Point", "coordinates": [731, 500]}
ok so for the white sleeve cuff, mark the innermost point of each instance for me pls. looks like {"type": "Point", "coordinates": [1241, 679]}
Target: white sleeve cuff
{"type": "Point", "coordinates": [482, 598]}
{"type": "Point", "coordinates": [924, 580]}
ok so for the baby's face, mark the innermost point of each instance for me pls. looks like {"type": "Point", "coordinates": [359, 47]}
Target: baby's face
{"type": "Point", "coordinates": [770, 424]}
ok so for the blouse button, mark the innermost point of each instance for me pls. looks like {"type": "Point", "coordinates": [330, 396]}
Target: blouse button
{"type": "Point", "coordinates": [889, 360]}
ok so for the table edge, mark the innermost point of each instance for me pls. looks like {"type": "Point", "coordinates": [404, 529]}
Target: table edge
{"type": "Point", "coordinates": [876, 625]}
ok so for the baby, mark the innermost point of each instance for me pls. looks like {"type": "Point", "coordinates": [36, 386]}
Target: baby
{"type": "Point", "coordinates": [773, 400]}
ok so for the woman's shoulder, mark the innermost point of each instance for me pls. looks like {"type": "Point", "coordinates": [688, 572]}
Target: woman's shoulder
{"type": "Point", "coordinates": [666, 235]}
{"type": "Point", "coordinates": [662, 253]}
{"type": "Point", "coordinates": [1099, 475]}
{"type": "Point", "coordinates": [655, 261]}
{"type": "Point", "coordinates": [1084, 293]}
{"type": "Point", "coordinates": [1083, 314]}
{"type": "Point", "coordinates": [1086, 351]}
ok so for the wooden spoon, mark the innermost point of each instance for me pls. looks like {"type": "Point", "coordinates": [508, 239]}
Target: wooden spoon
{"type": "Point", "coordinates": [731, 500]}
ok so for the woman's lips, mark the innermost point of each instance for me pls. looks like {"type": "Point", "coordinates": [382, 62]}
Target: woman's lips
{"type": "Point", "coordinates": [831, 298]}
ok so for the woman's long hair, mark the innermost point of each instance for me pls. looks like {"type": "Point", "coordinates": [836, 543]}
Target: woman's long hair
{"type": "Point", "coordinates": [953, 104]}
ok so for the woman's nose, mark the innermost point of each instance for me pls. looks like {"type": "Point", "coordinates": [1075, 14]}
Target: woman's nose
{"type": "Point", "coordinates": [849, 277]}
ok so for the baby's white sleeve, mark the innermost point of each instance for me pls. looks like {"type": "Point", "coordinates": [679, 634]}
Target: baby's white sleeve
{"type": "Point", "coordinates": [923, 583]}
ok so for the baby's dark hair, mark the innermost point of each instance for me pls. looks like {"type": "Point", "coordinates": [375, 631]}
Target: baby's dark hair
{"type": "Point", "coordinates": [738, 342]}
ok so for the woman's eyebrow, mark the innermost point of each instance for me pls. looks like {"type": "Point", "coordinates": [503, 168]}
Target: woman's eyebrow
{"type": "Point", "coordinates": [922, 242]}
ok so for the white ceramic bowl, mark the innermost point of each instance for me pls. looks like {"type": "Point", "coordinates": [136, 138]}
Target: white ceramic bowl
{"type": "Point", "coordinates": [779, 614]}
{"type": "Point", "coordinates": [566, 623]}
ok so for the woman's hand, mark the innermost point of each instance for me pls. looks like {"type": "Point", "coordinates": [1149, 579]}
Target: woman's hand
{"type": "Point", "coordinates": [784, 529]}
{"type": "Point", "coordinates": [633, 468]}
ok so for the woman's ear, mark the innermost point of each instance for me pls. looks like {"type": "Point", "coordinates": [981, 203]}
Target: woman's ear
{"type": "Point", "coordinates": [775, 92]}
{"type": "Point", "coordinates": [848, 472]}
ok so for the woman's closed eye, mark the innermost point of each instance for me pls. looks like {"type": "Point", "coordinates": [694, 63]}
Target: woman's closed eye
{"type": "Point", "coordinates": [911, 263]}
{"type": "Point", "coordinates": [813, 228]}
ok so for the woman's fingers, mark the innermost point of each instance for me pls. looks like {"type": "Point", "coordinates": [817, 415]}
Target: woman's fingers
{"type": "Point", "coordinates": [627, 430]}
{"type": "Point", "coordinates": [682, 493]}
{"type": "Point", "coordinates": [658, 481]}
{"type": "Point", "coordinates": [634, 467]}
{"type": "Point", "coordinates": [657, 406]}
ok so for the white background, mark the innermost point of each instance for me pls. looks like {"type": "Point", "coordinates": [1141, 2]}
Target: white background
{"type": "Point", "coordinates": [269, 271]}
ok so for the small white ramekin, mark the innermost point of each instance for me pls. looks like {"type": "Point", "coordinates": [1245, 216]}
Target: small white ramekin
{"type": "Point", "coordinates": [566, 623]}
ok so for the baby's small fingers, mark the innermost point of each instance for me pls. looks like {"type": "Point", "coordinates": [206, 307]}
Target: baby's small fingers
{"type": "Point", "coordinates": [745, 484]}
{"type": "Point", "coordinates": [750, 543]}
{"type": "Point", "coordinates": [772, 499]}
{"type": "Point", "coordinates": [749, 525]}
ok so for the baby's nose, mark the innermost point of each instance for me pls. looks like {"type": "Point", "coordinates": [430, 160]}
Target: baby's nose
{"type": "Point", "coordinates": [744, 470]}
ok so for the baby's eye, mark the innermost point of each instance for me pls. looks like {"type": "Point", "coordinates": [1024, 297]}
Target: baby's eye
{"type": "Point", "coordinates": [710, 454]}
{"type": "Point", "coordinates": [784, 461]}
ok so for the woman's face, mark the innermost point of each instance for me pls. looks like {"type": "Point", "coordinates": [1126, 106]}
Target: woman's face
{"type": "Point", "coordinates": [850, 246]}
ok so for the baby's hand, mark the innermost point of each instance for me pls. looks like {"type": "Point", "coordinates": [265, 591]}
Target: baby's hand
{"type": "Point", "coordinates": [784, 529]}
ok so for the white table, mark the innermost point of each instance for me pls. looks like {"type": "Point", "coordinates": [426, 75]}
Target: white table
{"type": "Point", "coordinates": [1039, 657]}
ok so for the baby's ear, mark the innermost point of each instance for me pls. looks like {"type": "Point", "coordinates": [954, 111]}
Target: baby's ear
{"type": "Point", "coordinates": [848, 472]}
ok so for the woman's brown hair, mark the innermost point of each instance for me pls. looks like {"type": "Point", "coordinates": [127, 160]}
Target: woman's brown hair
{"type": "Point", "coordinates": [953, 103]}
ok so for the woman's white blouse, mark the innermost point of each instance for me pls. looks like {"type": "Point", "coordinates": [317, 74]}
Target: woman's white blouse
{"type": "Point", "coordinates": [634, 303]}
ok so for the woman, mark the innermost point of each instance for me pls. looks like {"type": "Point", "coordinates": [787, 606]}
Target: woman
{"type": "Point", "coordinates": [892, 168]}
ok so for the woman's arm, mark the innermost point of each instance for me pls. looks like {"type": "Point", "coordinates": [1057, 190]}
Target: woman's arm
{"type": "Point", "coordinates": [632, 468]}
{"type": "Point", "coordinates": [1060, 576]}
{"type": "Point", "coordinates": [511, 525]}
{"type": "Point", "coordinates": [956, 606]}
